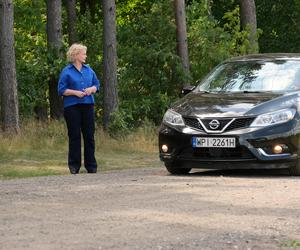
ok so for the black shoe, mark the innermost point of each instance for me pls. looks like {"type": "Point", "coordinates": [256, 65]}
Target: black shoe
{"type": "Point", "coordinates": [92, 171]}
{"type": "Point", "coordinates": [73, 171]}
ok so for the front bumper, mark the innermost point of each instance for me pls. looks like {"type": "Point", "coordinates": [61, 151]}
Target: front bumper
{"type": "Point", "coordinates": [253, 148]}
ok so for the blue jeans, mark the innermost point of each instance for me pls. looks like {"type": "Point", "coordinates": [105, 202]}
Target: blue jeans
{"type": "Point", "coordinates": [80, 119]}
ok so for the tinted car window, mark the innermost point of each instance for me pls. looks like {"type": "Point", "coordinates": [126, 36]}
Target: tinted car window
{"type": "Point", "coordinates": [275, 76]}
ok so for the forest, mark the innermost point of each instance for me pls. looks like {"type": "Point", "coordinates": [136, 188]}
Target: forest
{"type": "Point", "coordinates": [145, 69]}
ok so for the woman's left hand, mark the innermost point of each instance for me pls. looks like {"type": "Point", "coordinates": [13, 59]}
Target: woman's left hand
{"type": "Point", "coordinates": [90, 90]}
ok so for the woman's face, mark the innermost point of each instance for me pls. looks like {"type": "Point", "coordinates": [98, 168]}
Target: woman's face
{"type": "Point", "coordinates": [81, 57]}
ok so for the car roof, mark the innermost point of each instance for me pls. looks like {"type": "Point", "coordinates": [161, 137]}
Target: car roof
{"type": "Point", "coordinates": [266, 57]}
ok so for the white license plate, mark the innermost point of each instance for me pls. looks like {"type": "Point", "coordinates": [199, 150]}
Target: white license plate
{"type": "Point", "coordinates": [213, 142]}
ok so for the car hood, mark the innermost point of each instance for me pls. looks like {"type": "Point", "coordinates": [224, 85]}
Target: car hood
{"type": "Point", "coordinates": [232, 104]}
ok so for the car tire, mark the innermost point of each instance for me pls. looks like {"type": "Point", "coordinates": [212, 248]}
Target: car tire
{"type": "Point", "coordinates": [295, 170]}
{"type": "Point", "coordinates": [173, 168]}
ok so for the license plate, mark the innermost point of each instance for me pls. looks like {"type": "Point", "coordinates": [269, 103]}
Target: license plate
{"type": "Point", "coordinates": [213, 142]}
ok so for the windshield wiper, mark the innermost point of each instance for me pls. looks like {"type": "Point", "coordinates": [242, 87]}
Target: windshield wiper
{"type": "Point", "coordinates": [255, 91]}
{"type": "Point", "coordinates": [204, 92]}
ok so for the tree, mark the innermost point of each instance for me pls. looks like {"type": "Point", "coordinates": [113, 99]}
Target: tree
{"type": "Point", "coordinates": [8, 81]}
{"type": "Point", "coordinates": [280, 34]}
{"type": "Point", "coordinates": [54, 41]}
{"type": "Point", "coordinates": [150, 72]}
{"type": "Point", "coordinates": [181, 35]}
{"type": "Point", "coordinates": [72, 18]}
{"type": "Point", "coordinates": [109, 60]}
{"type": "Point", "coordinates": [90, 5]}
{"type": "Point", "coordinates": [248, 22]}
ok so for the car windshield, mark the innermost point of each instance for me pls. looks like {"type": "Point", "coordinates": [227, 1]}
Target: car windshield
{"type": "Point", "coordinates": [254, 76]}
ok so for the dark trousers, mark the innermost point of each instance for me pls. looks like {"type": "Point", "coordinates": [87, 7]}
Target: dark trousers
{"type": "Point", "coordinates": [80, 119]}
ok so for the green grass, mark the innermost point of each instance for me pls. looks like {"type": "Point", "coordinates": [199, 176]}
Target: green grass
{"type": "Point", "coordinates": [295, 244]}
{"type": "Point", "coordinates": [41, 149]}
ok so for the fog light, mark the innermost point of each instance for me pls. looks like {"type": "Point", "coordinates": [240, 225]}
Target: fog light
{"type": "Point", "coordinates": [278, 149]}
{"type": "Point", "coordinates": [164, 148]}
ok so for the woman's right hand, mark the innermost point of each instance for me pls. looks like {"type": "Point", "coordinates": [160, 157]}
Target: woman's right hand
{"type": "Point", "coordinates": [78, 93]}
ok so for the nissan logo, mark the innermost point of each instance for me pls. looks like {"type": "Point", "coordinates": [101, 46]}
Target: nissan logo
{"type": "Point", "coordinates": [214, 124]}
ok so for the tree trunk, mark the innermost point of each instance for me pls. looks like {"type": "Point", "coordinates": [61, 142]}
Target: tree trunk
{"type": "Point", "coordinates": [8, 79]}
{"type": "Point", "coordinates": [109, 60]}
{"type": "Point", "coordinates": [54, 40]}
{"type": "Point", "coordinates": [181, 35]}
{"type": "Point", "coordinates": [72, 19]}
{"type": "Point", "coordinates": [248, 22]}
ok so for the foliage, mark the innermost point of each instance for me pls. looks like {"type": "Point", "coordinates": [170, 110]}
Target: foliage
{"type": "Point", "coordinates": [240, 38]}
{"type": "Point", "coordinates": [90, 34]}
{"type": "Point", "coordinates": [150, 73]}
{"type": "Point", "coordinates": [279, 21]}
{"type": "Point", "coordinates": [209, 43]}
{"type": "Point", "coordinates": [35, 63]}
{"type": "Point", "coordinates": [149, 69]}
{"type": "Point", "coordinates": [127, 11]}
{"type": "Point", "coordinates": [120, 123]}
{"type": "Point", "coordinates": [31, 56]}
{"type": "Point", "coordinates": [220, 7]}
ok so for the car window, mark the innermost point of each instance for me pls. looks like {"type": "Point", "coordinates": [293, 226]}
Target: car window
{"type": "Point", "coordinates": [275, 76]}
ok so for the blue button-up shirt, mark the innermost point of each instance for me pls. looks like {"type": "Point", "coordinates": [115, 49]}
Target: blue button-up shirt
{"type": "Point", "coordinates": [71, 78]}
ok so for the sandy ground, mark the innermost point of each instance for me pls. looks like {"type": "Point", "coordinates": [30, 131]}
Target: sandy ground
{"type": "Point", "coordinates": [150, 209]}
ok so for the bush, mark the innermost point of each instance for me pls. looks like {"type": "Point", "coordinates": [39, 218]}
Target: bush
{"type": "Point", "coordinates": [209, 43]}
{"type": "Point", "coordinates": [150, 74]}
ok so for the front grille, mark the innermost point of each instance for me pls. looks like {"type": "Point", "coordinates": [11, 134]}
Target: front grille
{"type": "Point", "coordinates": [236, 124]}
{"type": "Point", "coordinates": [240, 123]}
{"type": "Point", "coordinates": [223, 153]}
{"type": "Point", "coordinates": [223, 123]}
{"type": "Point", "coordinates": [216, 154]}
{"type": "Point", "coordinates": [193, 123]}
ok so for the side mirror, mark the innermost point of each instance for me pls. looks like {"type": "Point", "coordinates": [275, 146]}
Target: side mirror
{"type": "Point", "coordinates": [187, 89]}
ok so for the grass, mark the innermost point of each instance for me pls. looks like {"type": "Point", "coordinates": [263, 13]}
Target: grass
{"type": "Point", "coordinates": [295, 244]}
{"type": "Point", "coordinates": [41, 149]}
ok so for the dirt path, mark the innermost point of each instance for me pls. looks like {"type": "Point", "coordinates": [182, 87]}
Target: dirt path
{"type": "Point", "coordinates": [149, 209]}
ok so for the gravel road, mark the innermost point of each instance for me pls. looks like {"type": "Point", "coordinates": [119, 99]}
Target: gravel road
{"type": "Point", "coordinates": [150, 209]}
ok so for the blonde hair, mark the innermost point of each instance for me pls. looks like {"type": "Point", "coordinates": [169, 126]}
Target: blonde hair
{"type": "Point", "coordinates": [74, 50]}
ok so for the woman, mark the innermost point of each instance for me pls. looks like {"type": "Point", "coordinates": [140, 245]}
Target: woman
{"type": "Point", "coordinates": [77, 84]}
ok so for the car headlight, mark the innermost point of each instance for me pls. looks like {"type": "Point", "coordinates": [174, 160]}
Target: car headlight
{"type": "Point", "coordinates": [272, 118]}
{"type": "Point", "coordinates": [173, 118]}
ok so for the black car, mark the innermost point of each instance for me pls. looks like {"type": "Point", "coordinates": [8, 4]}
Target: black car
{"type": "Point", "coordinates": [244, 114]}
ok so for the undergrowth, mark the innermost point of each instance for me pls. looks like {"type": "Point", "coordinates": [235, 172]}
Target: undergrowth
{"type": "Point", "coordinates": [41, 149]}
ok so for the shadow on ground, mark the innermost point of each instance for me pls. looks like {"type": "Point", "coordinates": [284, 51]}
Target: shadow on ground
{"type": "Point", "coordinates": [271, 173]}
